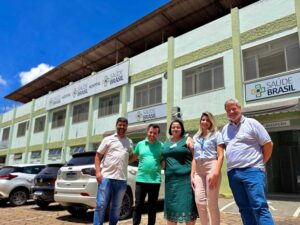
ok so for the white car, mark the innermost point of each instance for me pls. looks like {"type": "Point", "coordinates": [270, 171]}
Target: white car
{"type": "Point", "coordinates": [76, 186]}
{"type": "Point", "coordinates": [16, 182]}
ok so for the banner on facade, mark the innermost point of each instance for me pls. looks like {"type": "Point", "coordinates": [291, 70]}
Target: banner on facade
{"type": "Point", "coordinates": [273, 87]}
{"type": "Point", "coordinates": [146, 114]}
{"type": "Point", "coordinates": [102, 81]}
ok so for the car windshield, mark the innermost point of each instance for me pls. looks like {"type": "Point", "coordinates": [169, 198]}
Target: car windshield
{"type": "Point", "coordinates": [10, 169]}
{"type": "Point", "coordinates": [81, 160]}
{"type": "Point", "coordinates": [50, 169]}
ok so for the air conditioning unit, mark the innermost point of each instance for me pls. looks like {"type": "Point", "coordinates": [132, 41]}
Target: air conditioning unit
{"type": "Point", "coordinates": [176, 113]}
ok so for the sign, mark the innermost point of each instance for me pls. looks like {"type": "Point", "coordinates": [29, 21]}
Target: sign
{"type": "Point", "coordinates": [285, 123]}
{"type": "Point", "coordinates": [146, 114]}
{"type": "Point", "coordinates": [102, 81]}
{"type": "Point", "coordinates": [273, 87]}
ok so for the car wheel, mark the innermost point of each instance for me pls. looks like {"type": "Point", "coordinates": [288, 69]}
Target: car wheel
{"type": "Point", "coordinates": [18, 197]}
{"type": "Point", "coordinates": [42, 204]}
{"type": "Point", "coordinates": [77, 212]}
{"type": "Point", "coordinates": [126, 208]}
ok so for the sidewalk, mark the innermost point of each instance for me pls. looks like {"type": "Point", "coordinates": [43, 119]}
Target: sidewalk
{"type": "Point", "coordinates": [226, 219]}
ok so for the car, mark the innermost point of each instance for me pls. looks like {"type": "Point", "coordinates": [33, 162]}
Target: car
{"type": "Point", "coordinates": [76, 186]}
{"type": "Point", "coordinates": [16, 182]}
{"type": "Point", "coordinates": [43, 189]}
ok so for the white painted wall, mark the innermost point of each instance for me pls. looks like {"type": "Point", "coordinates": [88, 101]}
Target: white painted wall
{"type": "Point", "coordinates": [40, 103]}
{"type": "Point", "coordinates": [18, 142]}
{"type": "Point", "coordinates": [24, 109]}
{"type": "Point", "coordinates": [264, 11]}
{"type": "Point", "coordinates": [149, 59]}
{"type": "Point", "coordinates": [213, 101]}
{"type": "Point", "coordinates": [7, 116]}
{"type": "Point", "coordinates": [206, 35]}
{"type": "Point", "coordinates": [78, 130]}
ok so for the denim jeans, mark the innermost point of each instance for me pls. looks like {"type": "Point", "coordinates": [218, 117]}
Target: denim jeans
{"type": "Point", "coordinates": [141, 190]}
{"type": "Point", "coordinates": [248, 188]}
{"type": "Point", "coordinates": [113, 191]}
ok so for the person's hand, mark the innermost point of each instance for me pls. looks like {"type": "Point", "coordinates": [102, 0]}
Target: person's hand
{"type": "Point", "coordinates": [193, 183]}
{"type": "Point", "coordinates": [99, 177]}
{"type": "Point", "coordinates": [213, 181]}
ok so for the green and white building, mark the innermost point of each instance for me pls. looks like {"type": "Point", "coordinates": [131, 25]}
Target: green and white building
{"type": "Point", "coordinates": [184, 58]}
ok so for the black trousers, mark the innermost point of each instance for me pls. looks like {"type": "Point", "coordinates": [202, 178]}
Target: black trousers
{"type": "Point", "coordinates": [141, 190]}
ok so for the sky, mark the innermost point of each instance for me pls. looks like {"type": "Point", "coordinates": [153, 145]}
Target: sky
{"type": "Point", "coordinates": [37, 35]}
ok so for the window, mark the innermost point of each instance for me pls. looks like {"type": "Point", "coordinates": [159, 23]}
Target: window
{"type": "Point", "coordinates": [36, 154]}
{"type": "Point", "coordinates": [33, 169]}
{"type": "Point", "coordinates": [58, 119]}
{"type": "Point", "coordinates": [18, 156]}
{"type": "Point", "coordinates": [22, 127]}
{"type": "Point", "coordinates": [148, 94]}
{"type": "Point", "coordinates": [77, 149]}
{"type": "Point", "coordinates": [56, 152]}
{"type": "Point", "coordinates": [39, 124]}
{"type": "Point", "coordinates": [2, 159]}
{"type": "Point", "coordinates": [109, 105]}
{"type": "Point", "coordinates": [277, 56]}
{"type": "Point", "coordinates": [5, 134]}
{"type": "Point", "coordinates": [80, 112]}
{"type": "Point", "coordinates": [207, 77]}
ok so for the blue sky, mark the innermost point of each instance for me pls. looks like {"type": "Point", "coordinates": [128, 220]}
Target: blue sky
{"type": "Point", "coordinates": [37, 35]}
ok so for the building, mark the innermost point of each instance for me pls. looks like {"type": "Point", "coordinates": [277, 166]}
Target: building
{"type": "Point", "coordinates": [187, 57]}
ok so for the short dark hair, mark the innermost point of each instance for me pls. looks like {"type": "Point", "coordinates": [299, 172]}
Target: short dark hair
{"type": "Point", "coordinates": [155, 126]}
{"type": "Point", "coordinates": [122, 119]}
{"type": "Point", "coordinates": [181, 125]}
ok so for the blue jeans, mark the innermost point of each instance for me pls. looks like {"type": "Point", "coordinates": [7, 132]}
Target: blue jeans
{"type": "Point", "coordinates": [248, 188]}
{"type": "Point", "coordinates": [113, 191]}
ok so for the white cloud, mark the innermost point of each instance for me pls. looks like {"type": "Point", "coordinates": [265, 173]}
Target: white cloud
{"type": "Point", "coordinates": [2, 81]}
{"type": "Point", "coordinates": [34, 73]}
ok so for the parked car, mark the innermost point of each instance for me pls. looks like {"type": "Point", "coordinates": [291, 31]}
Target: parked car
{"type": "Point", "coordinates": [16, 182]}
{"type": "Point", "coordinates": [76, 186]}
{"type": "Point", "coordinates": [43, 189]}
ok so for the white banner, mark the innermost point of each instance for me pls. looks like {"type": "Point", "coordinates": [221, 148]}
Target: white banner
{"type": "Point", "coordinates": [104, 80]}
{"type": "Point", "coordinates": [273, 87]}
{"type": "Point", "coordinates": [146, 114]}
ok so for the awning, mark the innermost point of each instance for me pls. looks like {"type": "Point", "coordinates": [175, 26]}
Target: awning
{"type": "Point", "coordinates": [292, 105]}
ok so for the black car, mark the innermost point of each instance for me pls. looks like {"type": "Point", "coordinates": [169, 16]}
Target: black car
{"type": "Point", "coordinates": [44, 182]}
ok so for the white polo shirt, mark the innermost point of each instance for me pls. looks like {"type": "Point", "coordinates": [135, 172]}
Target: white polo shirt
{"type": "Point", "coordinates": [115, 152]}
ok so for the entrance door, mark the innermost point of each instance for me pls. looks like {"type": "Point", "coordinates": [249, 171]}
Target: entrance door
{"type": "Point", "coordinates": [283, 169]}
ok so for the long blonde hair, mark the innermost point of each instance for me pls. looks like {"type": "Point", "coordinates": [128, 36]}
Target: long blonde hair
{"type": "Point", "coordinates": [213, 127]}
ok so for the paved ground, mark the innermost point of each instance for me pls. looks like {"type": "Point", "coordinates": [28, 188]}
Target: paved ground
{"type": "Point", "coordinates": [30, 214]}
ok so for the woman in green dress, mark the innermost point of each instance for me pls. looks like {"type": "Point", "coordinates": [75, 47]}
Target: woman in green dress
{"type": "Point", "coordinates": [179, 205]}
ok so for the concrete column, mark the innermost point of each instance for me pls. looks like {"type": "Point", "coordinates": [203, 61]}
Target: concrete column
{"type": "Point", "coordinates": [29, 131]}
{"type": "Point", "coordinates": [45, 138]}
{"type": "Point", "coordinates": [170, 82]}
{"type": "Point", "coordinates": [90, 124]}
{"type": "Point", "coordinates": [11, 131]}
{"type": "Point", "coordinates": [66, 132]}
{"type": "Point", "coordinates": [237, 55]}
{"type": "Point", "coordinates": [297, 11]}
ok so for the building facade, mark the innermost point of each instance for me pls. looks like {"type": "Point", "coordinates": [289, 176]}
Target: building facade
{"type": "Point", "coordinates": [251, 54]}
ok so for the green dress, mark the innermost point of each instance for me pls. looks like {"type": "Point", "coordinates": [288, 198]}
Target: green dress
{"type": "Point", "coordinates": [179, 205]}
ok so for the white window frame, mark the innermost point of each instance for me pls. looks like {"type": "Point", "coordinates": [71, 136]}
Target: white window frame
{"type": "Point", "coordinates": [195, 73]}
{"type": "Point", "coordinates": [80, 112]}
{"type": "Point", "coordinates": [109, 105]}
{"type": "Point", "coordinates": [144, 91]}
{"type": "Point", "coordinates": [39, 124]}
{"type": "Point", "coordinates": [60, 122]}
{"type": "Point", "coordinates": [269, 49]}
